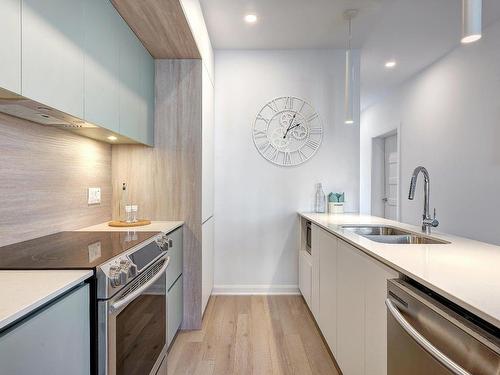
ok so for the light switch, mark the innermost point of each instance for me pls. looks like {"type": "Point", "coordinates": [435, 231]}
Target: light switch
{"type": "Point", "coordinates": [94, 196]}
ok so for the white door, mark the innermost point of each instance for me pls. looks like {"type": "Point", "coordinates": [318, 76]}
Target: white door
{"type": "Point", "coordinates": [391, 168]}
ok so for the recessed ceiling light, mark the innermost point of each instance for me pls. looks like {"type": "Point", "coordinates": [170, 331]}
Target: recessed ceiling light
{"type": "Point", "coordinates": [112, 138]}
{"type": "Point", "coordinates": [250, 18]}
{"type": "Point", "coordinates": [390, 64]}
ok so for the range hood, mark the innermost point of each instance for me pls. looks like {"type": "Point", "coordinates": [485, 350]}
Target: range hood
{"type": "Point", "coordinates": [18, 106]}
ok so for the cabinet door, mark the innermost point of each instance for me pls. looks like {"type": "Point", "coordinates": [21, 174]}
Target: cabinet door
{"type": "Point", "coordinates": [131, 106]}
{"type": "Point", "coordinates": [102, 24]}
{"type": "Point", "coordinates": [350, 310]}
{"type": "Point", "coordinates": [315, 253]}
{"type": "Point", "coordinates": [54, 341]}
{"type": "Point", "coordinates": [207, 262]}
{"type": "Point", "coordinates": [305, 276]}
{"type": "Point", "coordinates": [207, 145]}
{"type": "Point", "coordinates": [376, 276]}
{"type": "Point", "coordinates": [146, 131]}
{"type": "Point", "coordinates": [174, 309]}
{"type": "Point", "coordinates": [10, 40]}
{"type": "Point", "coordinates": [52, 53]}
{"type": "Point", "coordinates": [328, 288]}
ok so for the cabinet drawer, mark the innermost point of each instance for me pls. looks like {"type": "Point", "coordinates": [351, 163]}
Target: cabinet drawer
{"type": "Point", "coordinates": [175, 253]}
{"type": "Point", "coordinates": [174, 309]}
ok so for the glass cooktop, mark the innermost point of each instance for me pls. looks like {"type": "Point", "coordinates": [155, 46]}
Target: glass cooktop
{"type": "Point", "coordinates": [69, 250]}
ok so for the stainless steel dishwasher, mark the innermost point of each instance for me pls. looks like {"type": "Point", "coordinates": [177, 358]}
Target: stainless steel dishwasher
{"type": "Point", "coordinates": [427, 334]}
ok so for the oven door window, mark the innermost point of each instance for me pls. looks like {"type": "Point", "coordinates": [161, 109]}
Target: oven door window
{"type": "Point", "coordinates": [141, 331]}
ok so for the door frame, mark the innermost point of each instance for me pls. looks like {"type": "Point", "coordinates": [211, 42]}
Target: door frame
{"type": "Point", "coordinates": [396, 130]}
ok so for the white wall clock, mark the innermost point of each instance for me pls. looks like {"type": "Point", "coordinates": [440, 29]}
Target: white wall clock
{"type": "Point", "coordinates": [287, 131]}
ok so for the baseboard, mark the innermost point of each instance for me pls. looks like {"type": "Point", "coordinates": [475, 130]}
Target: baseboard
{"type": "Point", "coordinates": [258, 289]}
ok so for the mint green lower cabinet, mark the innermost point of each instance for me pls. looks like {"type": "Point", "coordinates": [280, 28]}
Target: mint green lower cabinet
{"type": "Point", "coordinates": [174, 269]}
{"type": "Point", "coordinates": [52, 54]}
{"type": "Point", "coordinates": [102, 25]}
{"type": "Point", "coordinates": [175, 309]}
{"type": "Point", "coordinates": [54, 341]}
{"type": "Point", "coordinates": [175, 299]}
{"type": "Point", "coordinates": [10, 40]}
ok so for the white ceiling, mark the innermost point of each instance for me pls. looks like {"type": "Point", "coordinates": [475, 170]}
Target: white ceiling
{"type": "Point", "coordinates": [414, 32]}
{"type": "Point", "coordinates": [285, 24]}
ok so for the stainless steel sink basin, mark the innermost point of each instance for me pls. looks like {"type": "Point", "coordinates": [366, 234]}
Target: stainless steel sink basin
{"type": "Point", "coordinates": [391, 235]}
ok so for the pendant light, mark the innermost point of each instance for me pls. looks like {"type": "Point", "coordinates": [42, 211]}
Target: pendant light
{"type": "Point", "coordinates": [471, 20]}
{"type": "Point", "coordinates": [349, 71]}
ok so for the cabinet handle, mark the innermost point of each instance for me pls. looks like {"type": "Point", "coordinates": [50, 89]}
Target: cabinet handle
{"type": "Point", "coordinates": [423, 342]}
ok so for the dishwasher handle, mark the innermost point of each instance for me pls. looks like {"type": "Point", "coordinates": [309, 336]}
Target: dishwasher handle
{"type": "Point", "coordinates": [423, 342]}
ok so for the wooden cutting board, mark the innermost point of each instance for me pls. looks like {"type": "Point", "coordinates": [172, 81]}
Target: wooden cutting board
{"type": "Point", "coordinates": [124, 224]}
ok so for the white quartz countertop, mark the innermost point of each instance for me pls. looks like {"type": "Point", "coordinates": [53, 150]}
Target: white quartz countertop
{"type": "Point", "coordinates": [465, 271]}
{"type": "Point", "coordinates": [155, 226]}
{"type": "Point", "coordinates": [22, 292]}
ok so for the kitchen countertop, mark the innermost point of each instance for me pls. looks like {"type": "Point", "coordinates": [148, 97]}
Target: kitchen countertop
{"type": "Point", "coordinates": [22, 292]}
{"type": "Point", "coordinates": [155, 226]}
{"type": "Point", "coordinates": [465, 271]}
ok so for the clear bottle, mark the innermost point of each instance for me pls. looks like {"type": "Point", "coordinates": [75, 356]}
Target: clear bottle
{"type": "Point", "coordinates": [124, 202]}
{"type": "Point", "coordinates": [320, 200]}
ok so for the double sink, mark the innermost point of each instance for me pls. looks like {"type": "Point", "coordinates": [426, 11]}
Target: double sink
{"type": "Point", "coordinates": [391, 235]}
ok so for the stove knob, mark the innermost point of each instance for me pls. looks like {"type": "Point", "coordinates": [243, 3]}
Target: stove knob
{"type": "Point", "coordinates": [160, 242]}
{"type": "Point", "coordinates": [114, 276]}
{"type": "Point", "coordinates": [132, 270]}
{"type": "Point", "coordinates": [123, 275]}
{"type": "Point", "coordinates": [124, 263]}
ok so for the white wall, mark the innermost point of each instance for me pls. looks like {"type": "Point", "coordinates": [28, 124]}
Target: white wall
{"type": "Point", "coordinates": [256, 202]}
{"type": "Point", "coordinates": [449, 116]}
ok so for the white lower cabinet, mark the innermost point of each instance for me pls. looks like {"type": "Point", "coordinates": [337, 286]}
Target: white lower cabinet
{"type": "Point", "coordinates": [328, 288]}
{"type": "Point", "coordinates": [207, 262]}
{"type": "Point", "coordinates": [305, 276]}
{"type": "Point", "coordinates": [350, 292]}
{"type": "Point", "coordinates": [376, 276]}
{"type": "Point", "coordinates": [315, 246]}
{"type": "Point", "coordinates": [351, 310]}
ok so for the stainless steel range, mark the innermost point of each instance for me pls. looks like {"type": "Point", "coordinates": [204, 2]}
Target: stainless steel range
{"type": "Point", "coordinates": [132, 303]}
{"type": "Point", "coordinates": [129, 291]}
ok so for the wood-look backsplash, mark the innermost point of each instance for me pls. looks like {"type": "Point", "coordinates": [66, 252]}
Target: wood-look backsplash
{"type": "Point", "coordinates": [44, 176]}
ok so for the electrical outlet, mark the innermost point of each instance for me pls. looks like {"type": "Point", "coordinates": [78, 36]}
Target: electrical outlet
{"type": "Point", "coordinates": [94, 195]}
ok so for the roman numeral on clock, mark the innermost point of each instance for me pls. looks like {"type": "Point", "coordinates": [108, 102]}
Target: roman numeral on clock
{"type": "Point", "coordinates": [313, 145]}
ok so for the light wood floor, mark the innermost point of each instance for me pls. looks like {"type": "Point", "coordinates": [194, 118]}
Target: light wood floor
{"type": "Point", "coordinates": [257, 335]}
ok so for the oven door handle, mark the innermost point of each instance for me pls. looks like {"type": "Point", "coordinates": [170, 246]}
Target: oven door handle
{"type": "Point", "coordinates": [130, 297]}
{"type": "Point", "coordinates": [423, 342]}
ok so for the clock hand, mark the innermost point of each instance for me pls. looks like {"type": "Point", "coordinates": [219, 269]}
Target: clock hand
{"type": "Point", "coordinates": [291, 122]}
{"type": "Point", "coordinates": [291, 129]}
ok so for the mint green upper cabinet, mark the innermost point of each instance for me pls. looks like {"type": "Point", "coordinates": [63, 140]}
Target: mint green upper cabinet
{"type": "Point", "coordinates": [130, 83]}
{"type": "Point", "coordinates": [101, 38]}
{"type": "Point", "coordinates": [148, 93]}
{"type": "Point", "coordinates": [10, 40]}
{"type": "Point", "coordinates": [52, 54]}
{"type": "Point", "coordinates": [136, 71]}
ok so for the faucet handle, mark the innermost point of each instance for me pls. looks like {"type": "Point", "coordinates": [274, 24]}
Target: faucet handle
{"type": "Point", "coordinates": [435, 221]}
